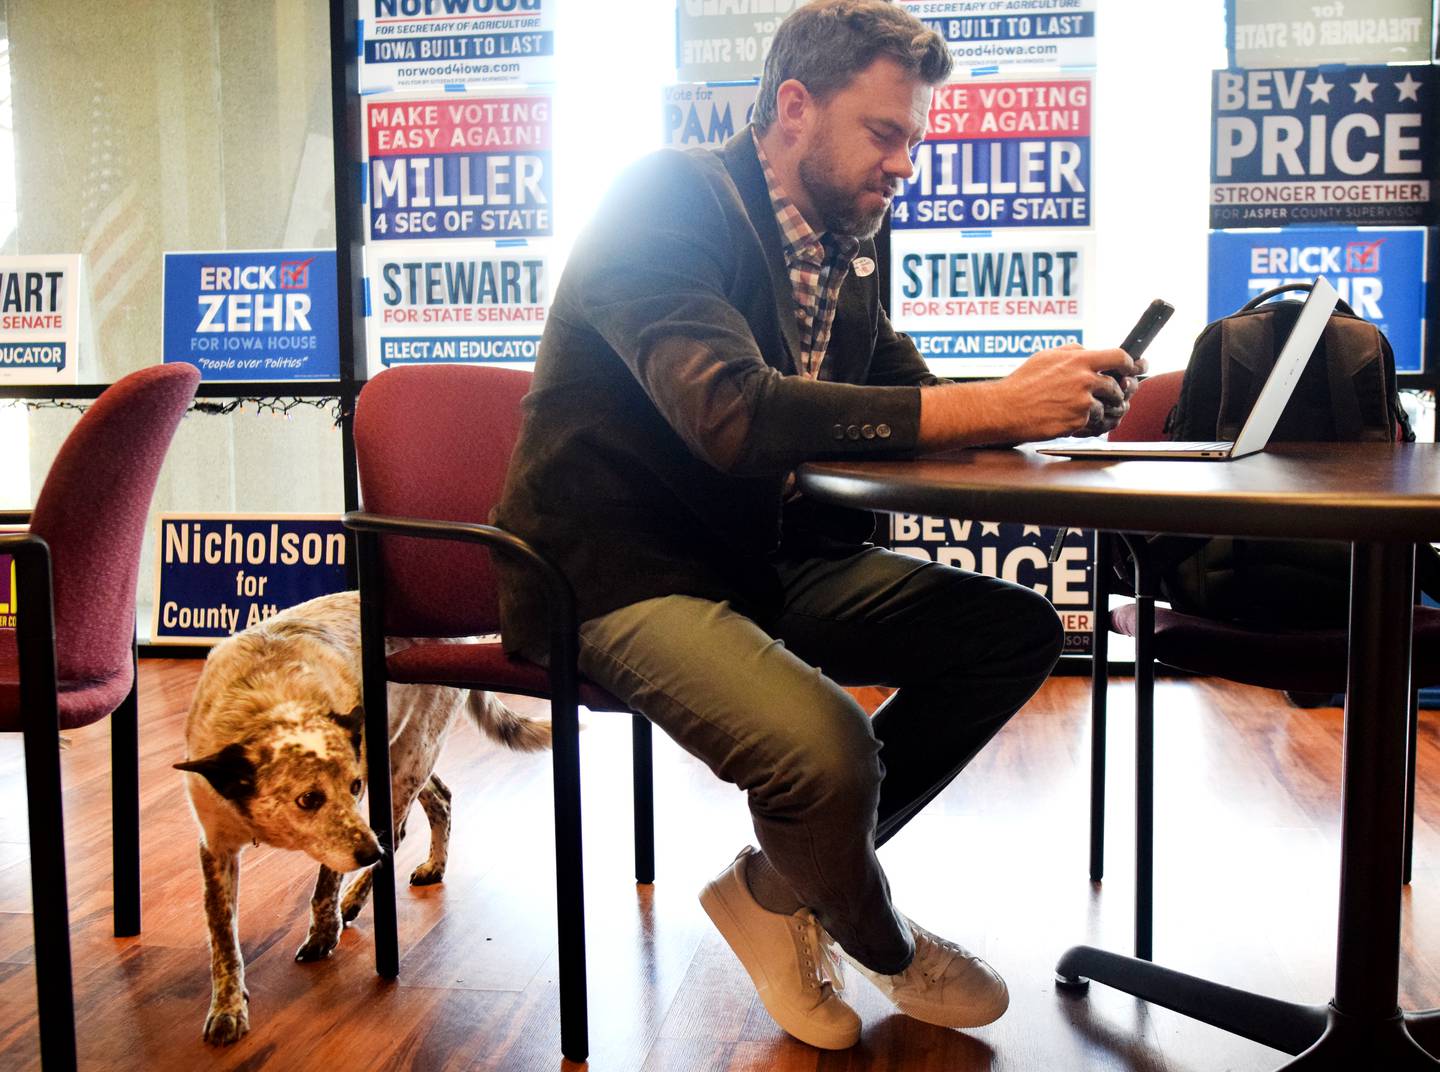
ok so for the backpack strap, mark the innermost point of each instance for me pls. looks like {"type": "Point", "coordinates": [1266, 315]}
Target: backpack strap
{"type": "Point", "coordinates": [1261, 299]}
{"type": "Point", "coordinates": [1344, 402]}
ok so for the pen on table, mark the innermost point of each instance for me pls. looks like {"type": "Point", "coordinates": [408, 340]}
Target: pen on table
{"type": "Point", "coordinates": [1060, 534]}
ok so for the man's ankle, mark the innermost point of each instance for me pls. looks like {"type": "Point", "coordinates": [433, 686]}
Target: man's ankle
{"type": "Point", "coordinates": [768, 886]}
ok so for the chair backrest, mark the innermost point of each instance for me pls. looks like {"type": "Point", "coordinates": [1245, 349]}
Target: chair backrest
{"type": "Point", "coordinates": [92, 510]}
{"type": "Point", "coordinates": [434, 442]}
{"type": "Point", "coordinates": [1151, 404]}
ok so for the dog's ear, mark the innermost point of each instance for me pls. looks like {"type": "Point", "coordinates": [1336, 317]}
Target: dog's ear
{"type": "Point", "coordinates": [353, 723]}
{"type": "Point", "coordinates": [228, 770]}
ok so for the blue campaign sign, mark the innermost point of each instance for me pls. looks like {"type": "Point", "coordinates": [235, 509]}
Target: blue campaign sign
{"type": "Point", "coordinates": [1003, 154]}
{"type": "Point", "coordinates": [265, 315]}
{"type": "Point", "coordinates": [1323, 145]}
{"type": "Point", "coordinates": [1380, 272]}
{"type": "Point", "coordinates": [219, 574]}
{"type": "Point", "coordinates": [420, 44]}
{"type": "Point", "coordinates": [1014, 552]}
{"type": "Point", "coordinates": [470, 349]}
{"type": "Point", "coordinates": [8, 602]}
{"type": "Point", "coordinates": [1053, 33]}
{"type": "Point", "coordinates": [990, 345]}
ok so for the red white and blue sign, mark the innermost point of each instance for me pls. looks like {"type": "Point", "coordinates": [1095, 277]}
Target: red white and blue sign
{"type": "Point", "coordinates": [428, 304]}
{"type": "Point", "coordinates": [459, 167]}
{"type": "Point", "coordinates": [1003, 153]}
{"type": "Point", "coordinates": [1014, 552]}
{"type": "Point", "coordinates": [1380, 272]}
{"type": "Point", "coordinates": [1012, 33]}
{"type": "Point", "coordinates": [1308, 145]}
{"type": "Point", "coordinates": [221, 573]}
{"type": "Point", "coordinates": [413, 44]}
{"type": "Point", "coordinates": [978, 303]}
{"type": "Point", "coordinates": [264, 315]}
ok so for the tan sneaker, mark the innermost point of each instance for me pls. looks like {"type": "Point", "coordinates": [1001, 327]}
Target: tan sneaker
{"type": "Point", "coordinates": [790, 959]}
{"type": "Point", "coordinates": [944, 985]}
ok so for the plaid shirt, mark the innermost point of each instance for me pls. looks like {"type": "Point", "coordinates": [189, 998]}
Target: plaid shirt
{"type": "Point", "coordinates": [818, 265]}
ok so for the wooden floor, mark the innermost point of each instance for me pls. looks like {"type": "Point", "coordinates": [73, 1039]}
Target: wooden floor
{"type": "Point", "coordinates": [1247, 808]}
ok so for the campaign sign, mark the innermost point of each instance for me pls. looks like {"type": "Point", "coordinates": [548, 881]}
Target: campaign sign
{"type": "Point", "coordinates": [263, 315]}
{"type": "Point", "coordinates": [456, 167]}
{"type": "Point", "coordinates": [9, 603]}
{"type": "Point", "coordinates": [1381, 273]}
{"type": "Point", "coordinates": [1014, 552]}
{"type": "Point", "coordinates": [706, 116]}
{"type": "Point", "coordinates": [40, 319]}
{"type": "Point", "coordinates": [726, 40]}
{"type": "Point", "coordinates": [428, 308]}
{"type": "Point", "coordinates": [1306, 145]}
{"type": "Point", "coordinates": [1003, 153]}
{"type": "Point", "coordinates": [1014, 33]}
{"type": "Point", "coordinates": [978, 304]}
{"type": "Point", "coordinates": [221, 573]}
{"type": "Point", "coordinates": [420, 44]}
{"type": "Point", "coordinates": [1304, 33]}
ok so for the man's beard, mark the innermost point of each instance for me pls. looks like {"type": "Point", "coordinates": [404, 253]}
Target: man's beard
{"type": "Point", "coordinates": [839, 206]}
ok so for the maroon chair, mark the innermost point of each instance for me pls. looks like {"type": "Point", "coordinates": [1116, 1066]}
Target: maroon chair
{"type": "Point", "coordinates": [71, 660]}
{"type": "Point", "coordinates": [432, 445]}
{"type": "Point", "coordinates": [1293, 660]}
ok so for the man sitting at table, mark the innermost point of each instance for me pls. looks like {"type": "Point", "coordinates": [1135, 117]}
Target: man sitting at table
{"type": "Point", "coordinates": [718, 325]}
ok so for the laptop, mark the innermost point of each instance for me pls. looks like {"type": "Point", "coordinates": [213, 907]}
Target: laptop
{"type": "Point", "coordinates": [1265, 414]}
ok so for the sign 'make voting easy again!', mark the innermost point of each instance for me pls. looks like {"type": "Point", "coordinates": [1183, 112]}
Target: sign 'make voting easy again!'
{"type": "Point", "coordinates": [477, 167]}
{"type": "Point", "coordinates": [1003, 153]}
{"type": "Point", "coordinates": [1380, 272]}
{"type": "Point", "coordinates": [1323, 145]}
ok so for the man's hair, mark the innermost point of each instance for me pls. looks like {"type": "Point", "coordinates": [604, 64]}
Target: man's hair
{"type": "Point", "coordinates": [823, 45]}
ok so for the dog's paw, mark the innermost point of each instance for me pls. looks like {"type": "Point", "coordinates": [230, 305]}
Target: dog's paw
{"type": "Point", "coordinates": [225, 1026]}
{"type": "Point", "coordinates": [355, 897]}
{"type": "Point", "coordinates": [427, 874]}
{"type": "Point", "coordinates": [317, 947]}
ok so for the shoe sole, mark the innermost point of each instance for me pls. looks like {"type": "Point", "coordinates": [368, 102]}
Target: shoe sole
{"type": "Point", "coordinates": [734, 935]}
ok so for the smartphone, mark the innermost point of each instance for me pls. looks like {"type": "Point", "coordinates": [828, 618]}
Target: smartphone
{"type": "Point", "coordinates": [1147, 327]}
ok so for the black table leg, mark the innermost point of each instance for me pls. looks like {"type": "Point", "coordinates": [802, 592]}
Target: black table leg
{"type": "Point", "coordinates": [1363, 1027]}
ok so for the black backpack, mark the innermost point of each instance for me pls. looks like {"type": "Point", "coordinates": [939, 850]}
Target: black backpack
{"type": "Point", "coordinates": [1347, 392]}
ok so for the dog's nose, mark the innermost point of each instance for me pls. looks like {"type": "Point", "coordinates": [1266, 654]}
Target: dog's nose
{"type": "Point", "coordinates": [367, 855]}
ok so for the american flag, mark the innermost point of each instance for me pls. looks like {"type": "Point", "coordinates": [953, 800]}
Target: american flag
{"type": "Point", "coordinates": [117, 246]}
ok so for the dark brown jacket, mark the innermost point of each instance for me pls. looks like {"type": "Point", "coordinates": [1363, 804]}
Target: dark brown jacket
{"type": "Point", "coordinates": [666, 411]}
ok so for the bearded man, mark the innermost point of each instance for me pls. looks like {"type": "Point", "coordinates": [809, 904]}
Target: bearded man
{"type": "Point", "coordinates": [718, 325]}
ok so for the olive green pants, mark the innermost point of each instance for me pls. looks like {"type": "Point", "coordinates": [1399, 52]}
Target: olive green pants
{"type": "Point", "coordinates": [765, 710]}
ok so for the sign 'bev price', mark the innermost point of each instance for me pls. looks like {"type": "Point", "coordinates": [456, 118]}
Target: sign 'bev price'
{"type": "Point", "coordinates": [1312, 145]}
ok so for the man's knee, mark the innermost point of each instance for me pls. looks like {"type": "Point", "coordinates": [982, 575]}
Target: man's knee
{"type": "Point", "coordinates": [1039, 635]}
{"type": "Point", "coordinates": [831, 770]}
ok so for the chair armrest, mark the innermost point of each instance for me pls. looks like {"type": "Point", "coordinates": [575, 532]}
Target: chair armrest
{"type": "Point", "coordinates": [15, 517]}
{"type": "Point", "coordinates": [559, 599]}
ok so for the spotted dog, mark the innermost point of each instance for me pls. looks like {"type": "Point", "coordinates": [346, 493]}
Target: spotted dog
{"type": "Point", "coordinates": [276, 754]}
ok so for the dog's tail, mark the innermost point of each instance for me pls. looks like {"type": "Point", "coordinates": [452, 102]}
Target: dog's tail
{"type": "Point", "coordinates": [504, 726]}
